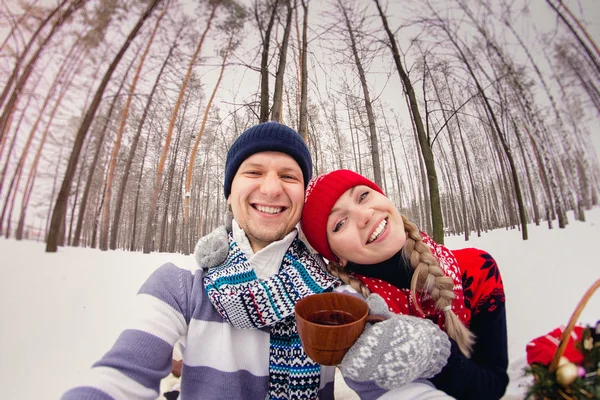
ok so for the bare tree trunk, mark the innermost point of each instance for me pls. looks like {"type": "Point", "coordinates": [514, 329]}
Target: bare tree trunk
{"type": "Point", "coordinates": [501, 136]}
{"type": "Point", "coordinates": [33, 171]}
{"type": "Point", "coordinates": [423, 191]}
{"type": "Point", "coordinates": [105, 219]}
{"type": "Point", "coordinates": [137, 197]}
{"type": "Point", "coordinates": [434, 191]}
{"type": "Point", "coordinates": [367, 98]}
{"type": "Point", "coordinates": [21, 57]}
{"type": "Point", "coordinates": [158, 181]}
{"type": "Point", "coordinates": [16, 179]}
{"type": "Point", "coordinates": [190, 169]}
{"type": "Point", "coordinates": [121, 190]}
{"type": "Point", "coordinates": [559, 119]}
{"type": "Point", "coordinates": [536, 212]}
{"type": "Point", "coordinates": [16, 24]}
{"type": "Point", "coordinates": [69, 238]}
{"type": "Point", "coordinates": [456, 226]}
{"type": "Point", "coordinates": [96, 220]}
{"type": "Point", "coordinates": [476, 205]}
{"type": "Point", "coordinates": [175, 214]}
{"type": "Point", "coordinates": [356, 157]}
{"type": "Point", "coordinates": [170, 177]}
{"type": "Point", "coordinates": [304, 74]}
{"type": "Point", "coordinates": [411, 185]}
{"type": "Point", "coordinates": [278, 89]}
{"type": "Point", "coordinates": [465, 221]}
{"type": "Point", "coordinates": [595, 61]}
{"type": "Point", "coordinates": [264, 61]}
{"type": "Point", "coordinates": [333, 123]}
{"type": "Point", "coordinates": [99, 141]}
{"type": "Point", "coordinates": [60, 208]}
{"type": "Point", "coordinates": [396, 170]}
{"type": "Point", "coordinates": [357, 130]}
{"type": "Point", "coordinates": [15, 137]}
{"type": "Point", "coordinates": [12, 101]}
{"type": "Point", "coordinates": [47, 227]}
{"type": "Point", "coordinates": [523, 99]}
{"type": "Point", "coordinates": [201, 212]}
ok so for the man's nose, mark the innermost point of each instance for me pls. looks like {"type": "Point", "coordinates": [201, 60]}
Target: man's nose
{"type": "Point", "coordinates": [271, 185]}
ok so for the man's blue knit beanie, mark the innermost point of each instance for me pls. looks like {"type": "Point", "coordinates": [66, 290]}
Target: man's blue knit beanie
{"type": "Point", "coordinates": [268, 136]}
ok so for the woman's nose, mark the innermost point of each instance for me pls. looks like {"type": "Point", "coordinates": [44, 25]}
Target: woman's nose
{"type": "Point", "coordinates": [363, 215]}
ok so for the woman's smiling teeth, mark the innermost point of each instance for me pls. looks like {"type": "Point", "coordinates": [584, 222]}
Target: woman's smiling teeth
{"type": "Point", "coordinates": [378, 230]}
{"type": "Point", "coordinates": [269, 210]}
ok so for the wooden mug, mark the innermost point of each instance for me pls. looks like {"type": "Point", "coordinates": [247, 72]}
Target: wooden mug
{"type": "Point", "coordinates": [329, 323]}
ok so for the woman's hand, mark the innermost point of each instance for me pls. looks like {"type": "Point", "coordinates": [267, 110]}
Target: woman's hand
{"type": "Point", "coordinates": [396, 351]}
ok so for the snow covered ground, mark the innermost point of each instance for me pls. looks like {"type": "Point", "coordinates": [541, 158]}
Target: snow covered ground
{"type": "Point", "coordinates": [60, 312]}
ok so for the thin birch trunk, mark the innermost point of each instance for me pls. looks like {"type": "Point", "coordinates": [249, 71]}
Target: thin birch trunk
{"type": "Point", "coordinates": [33, 171]}
{"type": "Point", "coordinates": [16, 179]}
{"type": "Point", "coordinates": [105, 219]}
{"type": "Point", "coordinates": [158, 181]}
{"type": "Point", "coordinates": [136, 202]}
{"type": "Point", "coordinates": [303, 126]}
{"type": "Point", "coordinates": [264, 60]}
{"type": "Point", "coordinates": [426, 151]}
{"type": "Point", "coordinates": [367, 98]}
{"type": "Point", "coordinates": [278, 89]}
{"type": "Point", "coordinates": [190, 169]}
{"type": "Point", "coordinates": [23, 55]}
{"type": "Point", "coordinates": [98, 150]}
{"type": "Point", "coordinates": [121, 190]}
{"type": "Point", "coordinates": [58, 215]}
{"type": "Point", "coordinates": [594, 55]}
{"type": "Point", "coordinates": [11, 103]}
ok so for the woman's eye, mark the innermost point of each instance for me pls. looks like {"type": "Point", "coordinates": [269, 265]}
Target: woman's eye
{"type": "Point", "coordinates": [339, 225]}
{"type": "Point", "coordinates": [362, 197]}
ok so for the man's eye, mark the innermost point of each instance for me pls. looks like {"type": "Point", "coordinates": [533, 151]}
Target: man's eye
{"type": "Point", "coordinates": [339, 225]}
{"type": "Point", "coordinates": [363, 196]}
{"type": "Point", "coordinates": [288, 177]}
{"type": "Point", "coordinates": [252, 173]}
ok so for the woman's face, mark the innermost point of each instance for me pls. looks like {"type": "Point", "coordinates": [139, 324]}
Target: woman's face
{"type": "Point", "coordinates": [364, 227]}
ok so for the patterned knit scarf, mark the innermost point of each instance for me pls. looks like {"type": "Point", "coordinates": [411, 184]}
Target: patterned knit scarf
{"type": "Point", "coordinates": [400, 301]}
{"type": "Point", "coordinates": [249, 303]}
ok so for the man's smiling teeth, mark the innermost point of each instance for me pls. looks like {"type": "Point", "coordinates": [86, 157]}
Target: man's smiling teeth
{"type": "Point", "coordinates": [378, 231]}
{"type": "Point", "coordinates": [270, 210]}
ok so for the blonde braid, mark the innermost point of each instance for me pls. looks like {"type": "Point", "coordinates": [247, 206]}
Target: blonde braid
{"type": "Point", "coordinates": [337, 271]}
{"type": "Point", "coordinates": [429, 278]}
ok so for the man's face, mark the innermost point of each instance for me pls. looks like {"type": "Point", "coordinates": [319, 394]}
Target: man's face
{"type": "Point", "coordinates": [267, 196]}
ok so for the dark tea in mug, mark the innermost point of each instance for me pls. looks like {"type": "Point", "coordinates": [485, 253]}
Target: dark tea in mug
{"type": "Point", "coordinates": [332, 317]}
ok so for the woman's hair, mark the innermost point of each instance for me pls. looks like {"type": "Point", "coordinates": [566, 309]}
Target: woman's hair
{"type": "Point", "coordinates": [428, 277]}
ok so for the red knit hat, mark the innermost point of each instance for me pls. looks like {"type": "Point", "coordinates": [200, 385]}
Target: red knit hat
{"type": "Point", "coordinates": [321, 195]}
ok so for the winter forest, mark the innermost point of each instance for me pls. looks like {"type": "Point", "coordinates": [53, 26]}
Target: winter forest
{"type": "Point", "coordinates": [116, 115]}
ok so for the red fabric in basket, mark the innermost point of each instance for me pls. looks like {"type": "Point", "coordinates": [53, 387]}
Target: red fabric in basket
{"type": "Point", "coordinates": [541, 350]}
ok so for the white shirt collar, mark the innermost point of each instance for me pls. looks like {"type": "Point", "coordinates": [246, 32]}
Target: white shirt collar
{"type": "Point", "coordinates": [265, 262]}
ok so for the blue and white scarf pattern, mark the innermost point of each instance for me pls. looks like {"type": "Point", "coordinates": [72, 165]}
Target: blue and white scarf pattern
{"type": "Point", "coordinates": [249, 303]}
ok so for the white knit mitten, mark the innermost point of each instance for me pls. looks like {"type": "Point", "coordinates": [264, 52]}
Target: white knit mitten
{"type": "Point", "coordinates": [396, 351]}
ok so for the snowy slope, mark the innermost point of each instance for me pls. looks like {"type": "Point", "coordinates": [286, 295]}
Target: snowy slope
{"type": "Point", "coordinates": [60, 312]}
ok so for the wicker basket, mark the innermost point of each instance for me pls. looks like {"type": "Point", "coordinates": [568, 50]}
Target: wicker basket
{"type": "Point", "coordinates": [566, 393]}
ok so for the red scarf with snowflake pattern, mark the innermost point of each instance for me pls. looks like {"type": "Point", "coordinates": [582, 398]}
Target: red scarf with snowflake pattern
{"type": "Point", "coordinates": [401, 302]}
{"type": "Point", "coordinates": [478, 285]}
